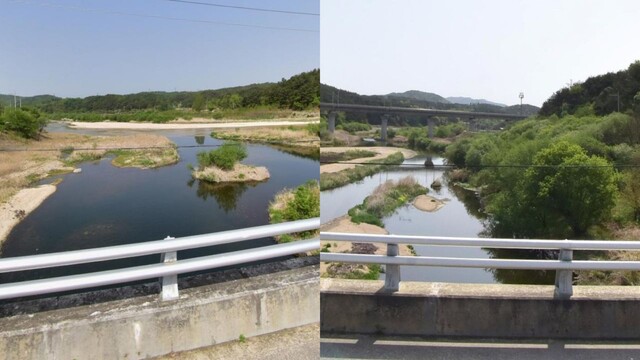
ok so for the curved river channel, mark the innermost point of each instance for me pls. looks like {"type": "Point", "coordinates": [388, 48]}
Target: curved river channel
{"type": "Point", "coordinates": [459, 217]}
{"type": "Point", "coordinates": [105, 205]}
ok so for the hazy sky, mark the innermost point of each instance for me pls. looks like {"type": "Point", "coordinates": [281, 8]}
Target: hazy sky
{"type": "Point", "coordinates": [480, 49]}
{"type": "Point", "coordinates": [81, 48]}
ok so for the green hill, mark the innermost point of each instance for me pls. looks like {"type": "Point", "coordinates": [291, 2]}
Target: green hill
{"type": "Point", "coordinates": [600, 95]}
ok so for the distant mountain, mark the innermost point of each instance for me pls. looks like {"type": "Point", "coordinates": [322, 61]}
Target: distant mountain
{"type": "Point", "coordinates": [468, 101]}
{"type": "Point", "coordinates": [420, 96]}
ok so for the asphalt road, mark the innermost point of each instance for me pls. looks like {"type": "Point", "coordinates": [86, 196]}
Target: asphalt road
{"type": "Point", "coordinates": [372, 347]}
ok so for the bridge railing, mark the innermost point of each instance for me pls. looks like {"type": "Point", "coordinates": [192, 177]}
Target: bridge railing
{"type": "Point", "coordinates": [168, 269]}
{"type": "Point", "coordinates": [564, 265]}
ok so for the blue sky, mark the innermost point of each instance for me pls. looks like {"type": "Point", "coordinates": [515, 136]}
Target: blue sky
{"type": "Point", "coordinates": [79, 48]}
{"type": "Point", "coordinates": [482, 49]}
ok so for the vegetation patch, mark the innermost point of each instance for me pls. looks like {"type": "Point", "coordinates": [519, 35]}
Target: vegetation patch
{"type": "Point", "coordinates": [385, 199]}
{"type": "Point", "coordinates": [300, 203]}
{"type": "Point", "coordinates": [334, 180]}
{"type": "Point", "coordinates": [222, 165]}
{"type": "Point", "coordinates": [145, 159]}
{"type": "Point", "coordinates": [298, 140]}
{"type": "Point", "coordinates": [346, 156]}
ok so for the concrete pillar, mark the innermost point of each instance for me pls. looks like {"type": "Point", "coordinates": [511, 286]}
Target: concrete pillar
{"type": "Point", "coordinates": [331, 120]}
{"type": "Point", "coordinates": [392, 272]}
{"type": "Point", "coordinates": [383, 127]}
{"type": "Point", "coordinates": [564, 278]}
{"type": "Point", "coordinates": [430, 124]}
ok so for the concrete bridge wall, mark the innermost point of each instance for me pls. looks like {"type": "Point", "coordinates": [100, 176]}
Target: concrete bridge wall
{"type": "Point", "coordinates": [143, 327]}
{"type": "Point", "coordinates": [488, 311]}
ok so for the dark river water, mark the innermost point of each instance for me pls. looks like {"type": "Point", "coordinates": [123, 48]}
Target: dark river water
{"type": "Point", "coordinates": [105, 205]}
{"type": "Point", "coordinates": [459, 217]}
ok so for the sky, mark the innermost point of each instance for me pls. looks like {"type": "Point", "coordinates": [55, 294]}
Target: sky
{"type": "Point", "coordinates": [480, 49]}
{"type": "Point", "coordinates": [73, 48]}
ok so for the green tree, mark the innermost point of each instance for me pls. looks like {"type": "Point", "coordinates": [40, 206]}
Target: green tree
{"type": "Point", "coordinates": [563, 194]}
{"type": "Point", "coordinates": [27, 123]}
{"type": "Point", "coordinates": [198, 102]}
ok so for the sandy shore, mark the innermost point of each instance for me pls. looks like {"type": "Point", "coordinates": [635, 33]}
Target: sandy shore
{"type": "Point", "coordinates": [21, 204]}
{"type": "Point", "coordinates": [382, 152]}
{"type": "Point", "coordinates": [428, 203]}
{"type": "Point", "coordinates": [182, 125]}
{"type": "Point", "coordinates": [344, 224]}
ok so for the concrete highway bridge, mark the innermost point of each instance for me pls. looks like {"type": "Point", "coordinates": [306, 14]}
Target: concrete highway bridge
{"type": "Point", "coordinates": [385, 112]}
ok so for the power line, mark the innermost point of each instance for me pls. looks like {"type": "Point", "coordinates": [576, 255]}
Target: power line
{"type": "Point", "coordinates": [494, 166]}
{"type": "Point", "coordinates": [113, 12]}
{"type": "Point", "coordinates": [150, 147]}
{"type": "Point", "coordinates": [245, 8]}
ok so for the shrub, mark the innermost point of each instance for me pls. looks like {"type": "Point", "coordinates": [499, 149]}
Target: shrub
{"type": "Point", "coordinates": [26, 123]}
{"type": "Point", "coordinates": [224, 157]}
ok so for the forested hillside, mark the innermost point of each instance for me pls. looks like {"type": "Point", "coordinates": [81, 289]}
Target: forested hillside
{"type": "Point", "coordinates": [297, 93]}
{"type": "Point", "coordinates": [599, 95]}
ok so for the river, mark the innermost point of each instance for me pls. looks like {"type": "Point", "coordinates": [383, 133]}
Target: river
{"type": "Point", "coordinates": [460, 216]}
{"type": "Point", "coordinates": [105, 205]}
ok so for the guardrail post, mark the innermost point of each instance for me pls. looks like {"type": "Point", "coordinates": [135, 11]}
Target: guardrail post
{"type": "Point", "coordinates": [392, 272]}
{"type": "Point", "coordinates": [564, 278]}
{"type": "Point", "coordinates": [169, 282]}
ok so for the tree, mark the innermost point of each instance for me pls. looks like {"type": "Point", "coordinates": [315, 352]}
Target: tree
{"type": "Point", "coordinates": [27, 123]}
{"type": "Point", "coordinates": [563, 194]}
{"type": "Point", "coordinates": [198, 102]}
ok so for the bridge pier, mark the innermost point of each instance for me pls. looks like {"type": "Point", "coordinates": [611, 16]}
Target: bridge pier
{"type": "Point", "coordinates": [383, 127]}
{"type": "Point", "coordinates": [331, 121]}
{"type": "Point", "coordinates": [430, 125]}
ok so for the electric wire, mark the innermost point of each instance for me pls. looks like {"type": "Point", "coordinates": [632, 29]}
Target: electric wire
{"type": "Point", "coordinates": [244, 7]}
{"type": "Point", "coordinates": [114, 12]}
{"type": "Point", "coordinates": [70, 149]}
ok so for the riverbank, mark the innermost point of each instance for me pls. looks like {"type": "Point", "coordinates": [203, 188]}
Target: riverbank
{"type": "Point", "coordinates": [26, 162]}
{"type": "Point", "coordinates": [181, 124]}
{"type": "Point", "coordinates": [344, 224]}
{"type": "Point", "coordinates": [382, 153]}
{"type": "Point", "coordinates": [19, 205]}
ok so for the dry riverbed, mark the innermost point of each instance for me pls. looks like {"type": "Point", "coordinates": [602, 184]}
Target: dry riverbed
{"type": "Point", "coordinates": [382, 152]}
{"type": "Point", "coordinates": [25, 162]}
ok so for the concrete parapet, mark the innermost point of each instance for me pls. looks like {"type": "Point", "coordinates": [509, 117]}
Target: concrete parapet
{"type": "Point", "coordinates": [474, 310]}
{"type": "Point", "coordinates": [143, 327]}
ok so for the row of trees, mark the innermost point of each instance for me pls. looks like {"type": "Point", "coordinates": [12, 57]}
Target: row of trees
{"type": "Point", "coordinates": [600, 95]}
{"type": "Point", "coordinates": [299, 92]}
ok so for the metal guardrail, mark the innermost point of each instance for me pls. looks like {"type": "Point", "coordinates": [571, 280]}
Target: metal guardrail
{"type": "Point", "coordinates": [564, 266]}
{"type": "Point", "coordinates": [168, 269]}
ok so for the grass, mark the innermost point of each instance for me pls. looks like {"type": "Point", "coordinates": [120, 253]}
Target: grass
{"type": "Point", "coordinates": [385, 199]}
{"type": "Point", "coordinates": [146, 159]}
{"type": "Point", "coordinates": [224, 157]}
{"type": "Point", "coordinates": [354, 271]}
{"type": "Point", "coordinates": [298, 140]}
{"type": "Point", "coordinates": [346, 156]}
{"type": "Point", "coordinates": [300, 203]}
{"type": "Point", "coordinates": [330, 181]}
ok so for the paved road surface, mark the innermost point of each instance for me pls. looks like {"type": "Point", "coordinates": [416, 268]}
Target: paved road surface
{"type": "Point", "coordinates": [371, 347]}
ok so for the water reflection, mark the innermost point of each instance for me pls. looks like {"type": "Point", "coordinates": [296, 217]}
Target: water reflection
{"type": "Point", "coordinates": [508, 276]}
{"type": "Point", "coordinates": [225, 194]}
{"type": "Point", "coordinates": [199, 139]}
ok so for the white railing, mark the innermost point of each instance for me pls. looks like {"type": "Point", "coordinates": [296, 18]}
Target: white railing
{"type": "Point", "coordinates": [564, 266]}
{"type": "Point", "coordinates": [168, 269]}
